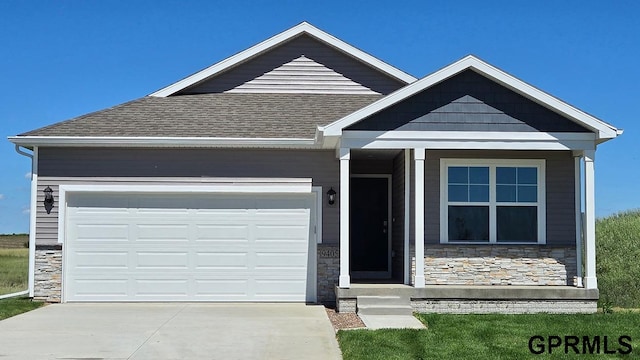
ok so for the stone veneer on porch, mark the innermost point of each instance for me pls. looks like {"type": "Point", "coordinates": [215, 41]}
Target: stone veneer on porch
{"type": "Point", "coordinates": [499, 265]}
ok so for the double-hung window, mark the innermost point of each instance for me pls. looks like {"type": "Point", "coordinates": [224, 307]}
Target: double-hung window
{"type": "Point", "coordinates": [492, 201]}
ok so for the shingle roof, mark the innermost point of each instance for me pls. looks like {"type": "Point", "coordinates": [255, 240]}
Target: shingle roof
{"type": "Point", "coordinates": [213, 115]}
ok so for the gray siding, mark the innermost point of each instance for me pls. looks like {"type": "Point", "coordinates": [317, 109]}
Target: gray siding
{"type": "Point", "coordinates": [58, 166]}
{"type": "Point", "coordinates": [302, 65]}
{"type": "Point", "coordinates": [468, 102]}
{"type": "Point", "coordinates": [559, 190]}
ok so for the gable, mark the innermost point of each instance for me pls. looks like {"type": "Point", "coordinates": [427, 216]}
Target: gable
{"type": "Point", "coordinates": [467, 101]}
{"type": "Point", "coordinates": [301, 65]}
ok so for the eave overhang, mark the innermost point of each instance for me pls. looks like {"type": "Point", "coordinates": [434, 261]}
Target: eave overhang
{"type": "Point", "coordinates": [62, 141]}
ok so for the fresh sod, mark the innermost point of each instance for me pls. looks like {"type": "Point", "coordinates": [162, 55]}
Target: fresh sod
{"type": "Point", "coordinates": [14, 306]}
{"type": "Point", "coordinates": [500, 337]}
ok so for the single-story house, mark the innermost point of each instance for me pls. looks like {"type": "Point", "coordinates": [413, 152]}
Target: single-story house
{"type": "Point", "coordinates": [303, 169]}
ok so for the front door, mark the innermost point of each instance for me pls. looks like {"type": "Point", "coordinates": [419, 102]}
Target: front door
{"type": "Point", "coordinates": [370, 240]}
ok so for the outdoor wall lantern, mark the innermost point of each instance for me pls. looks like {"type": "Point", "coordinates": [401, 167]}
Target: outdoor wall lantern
{"type": "Point", "coordinates": [331, 196]}
{"type": "Point", "coordinates": [48, 199]}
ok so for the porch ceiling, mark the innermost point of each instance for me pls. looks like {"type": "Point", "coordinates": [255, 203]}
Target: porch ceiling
{"type": "Point", "coordinates": [376, 154]}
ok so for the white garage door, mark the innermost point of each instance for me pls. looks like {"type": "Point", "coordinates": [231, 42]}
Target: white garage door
{"type": "Point", "coordinates": [196, 247]}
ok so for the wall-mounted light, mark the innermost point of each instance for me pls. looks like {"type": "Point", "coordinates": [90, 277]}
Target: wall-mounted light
{"type": "Point", "coordinates": [48, 199]}
{"type": "Point", "coordinates": [331, 196]}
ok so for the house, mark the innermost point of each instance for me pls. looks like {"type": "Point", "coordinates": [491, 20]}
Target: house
{"type": "Point", "coordinates": [306, 170]}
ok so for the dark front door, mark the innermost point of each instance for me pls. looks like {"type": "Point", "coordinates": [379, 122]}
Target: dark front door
{"type": "Point", "coordinates": [369, 228]}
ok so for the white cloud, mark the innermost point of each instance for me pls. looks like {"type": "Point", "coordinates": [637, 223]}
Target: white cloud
{"type": "Point", "coordinates": [28, 175]}
{"type": "Point", "coordinates": [26, 210]}
{"type": "Point", "coordinates": [1, 196]}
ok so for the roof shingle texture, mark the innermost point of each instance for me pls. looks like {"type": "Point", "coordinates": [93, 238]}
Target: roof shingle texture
{"type": "Point", "coordinates": [213, 115]}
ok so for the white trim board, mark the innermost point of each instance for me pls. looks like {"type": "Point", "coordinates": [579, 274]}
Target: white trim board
{"type": "Point", "coordinates": [113, 141]}
{"type": "Point", "coordinates": [478, 140]}
{"type": "Point", "coordinates": [603, 130]}
{"type": "Point", "coordinates": [277, 40]}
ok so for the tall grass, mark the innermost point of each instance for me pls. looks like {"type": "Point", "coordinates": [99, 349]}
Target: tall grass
{"type": "Point", "coordinates": [14, 266]}
{"type": "Point", "coordinates": [618, 259]}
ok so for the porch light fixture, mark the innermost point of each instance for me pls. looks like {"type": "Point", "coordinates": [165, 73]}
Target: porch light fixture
{"type": "Point", "coordinates": [48, 199]}
{"type": "Point", "coordinates": [331, 196]}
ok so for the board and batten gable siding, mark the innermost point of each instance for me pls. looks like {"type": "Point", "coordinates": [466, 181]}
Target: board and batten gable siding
{"type": "Point", "coordinates": [560, 205]}
{"type": "Point", "coordinates": [302, 65]}
{"type": "Point", "coordinates": [111, 166]}
{"type": "Point", "coordinates": [468, 102]}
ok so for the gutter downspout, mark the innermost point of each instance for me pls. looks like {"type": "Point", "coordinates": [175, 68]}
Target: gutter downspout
{"type": "Point", "coordinates": [32, 218]}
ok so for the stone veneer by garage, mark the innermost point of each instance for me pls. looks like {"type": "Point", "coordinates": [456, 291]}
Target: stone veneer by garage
{"type": "Point", "coordinates": [499, 265]}
{"type": "Point", "coordinates": [48, 274]}
{"type": "Point", "coordinates": [328, 272]}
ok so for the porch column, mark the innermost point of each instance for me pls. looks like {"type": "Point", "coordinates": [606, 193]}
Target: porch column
{"type": "Point", "coordinates": [577, 157]}
{"type": "Point", "coordinates": [345, 279]}
{"type": "Point", "coordinates": [419, 155]}
{"type": "Point", "coordinates": [590, 280]}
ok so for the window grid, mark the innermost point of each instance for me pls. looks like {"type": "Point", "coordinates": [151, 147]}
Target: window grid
{"type": "Point", "coordinates": [493, 204]}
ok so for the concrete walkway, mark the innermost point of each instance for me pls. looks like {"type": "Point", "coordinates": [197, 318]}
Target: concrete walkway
{"type": "Point", "coordinates": [170, 331]}
{"type": "Point", "coordinates": [374, 322]}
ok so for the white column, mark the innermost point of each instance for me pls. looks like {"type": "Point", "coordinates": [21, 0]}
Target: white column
{"type": "Point", "coordinates": [578, 216]}
{"type": "Point", "coordinates": [590, 280]}
{"type": "Point", "coordinates": [407, 215]}
{"type": "Point", "coordinates": [345, 279]}
{"type": "Point", "coordinates": [419, 216]}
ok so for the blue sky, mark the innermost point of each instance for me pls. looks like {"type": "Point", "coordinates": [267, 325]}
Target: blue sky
{"type": "Point", "coordinates": [61, 59]}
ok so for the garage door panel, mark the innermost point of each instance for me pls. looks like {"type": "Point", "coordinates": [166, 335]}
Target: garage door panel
{"type": "Point", "coordinates": [93, 289]}
{"type": "Point", "coordinates": [149, 231]}
{"type": "Point", "coordinates": [99, 232]}
{"type": "Point", "coordinates": [188, 248]}
{"type": "Point", "coordinates": [222, 288]}
{"type": "Point", "coordinates": [160, 260]}
{"type": "Point", "coordinates": [221, 260]}
{"type": "Point", "coordinates": [222, 232]}
{"type": "Point", "coordinates": [101, 260]}
{"type": "Point", "coordinates": [159, 288]}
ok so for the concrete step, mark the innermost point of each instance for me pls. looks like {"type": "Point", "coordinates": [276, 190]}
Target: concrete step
{"type": "Point", "coordinates": [385, 310]}
{"type": "Point", "coordinates": [383, 300]}
{"type": "Point", "coordinates": [384, 305]}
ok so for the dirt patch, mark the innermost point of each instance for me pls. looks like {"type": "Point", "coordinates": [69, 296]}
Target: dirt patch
{"type": "Point", "coordinates": [341, 321]}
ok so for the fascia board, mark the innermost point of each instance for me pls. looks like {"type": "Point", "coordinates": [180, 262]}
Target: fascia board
{"type": "Point", "coordinates": [276, 40]}
{"type": "Point", "coordinates": [56, 141]}
{"type": "Point", "coordinates": [602, 129]}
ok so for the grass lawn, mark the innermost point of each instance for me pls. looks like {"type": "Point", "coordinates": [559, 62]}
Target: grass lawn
{"type": "Point", "coordinates": [15, 306]}
{"type": "Point", "coordinates": [495, 337]}
{"type": "Point", "coordinates": [14, 266]}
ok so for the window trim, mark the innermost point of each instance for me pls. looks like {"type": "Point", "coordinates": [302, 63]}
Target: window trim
{"type": "Point", "coordinates": [540, 164]}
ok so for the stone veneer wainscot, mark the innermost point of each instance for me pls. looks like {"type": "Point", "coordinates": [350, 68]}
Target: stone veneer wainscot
{"type": "Point", "coordinates": [48, 274]}
{"type": "Point", "coordinates": [499, 265]}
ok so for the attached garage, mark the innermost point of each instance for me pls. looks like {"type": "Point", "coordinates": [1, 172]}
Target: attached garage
{"type": "Point", "coordinates": [189, 247]}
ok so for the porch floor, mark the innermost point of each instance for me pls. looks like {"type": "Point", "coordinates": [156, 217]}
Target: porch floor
{"type": "Point", "coordinates": [469, 292]}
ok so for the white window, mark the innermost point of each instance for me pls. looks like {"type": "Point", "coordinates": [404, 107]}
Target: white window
{"type": "Point", "coordinates": [492, 201]}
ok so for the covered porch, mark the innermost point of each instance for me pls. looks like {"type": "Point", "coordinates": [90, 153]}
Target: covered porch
{"type": "Point", "coordinates": [555, 275]}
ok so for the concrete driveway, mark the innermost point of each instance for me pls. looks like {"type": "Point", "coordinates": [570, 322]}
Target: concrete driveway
{"type": "Point", "coordinates": [169, 331]}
